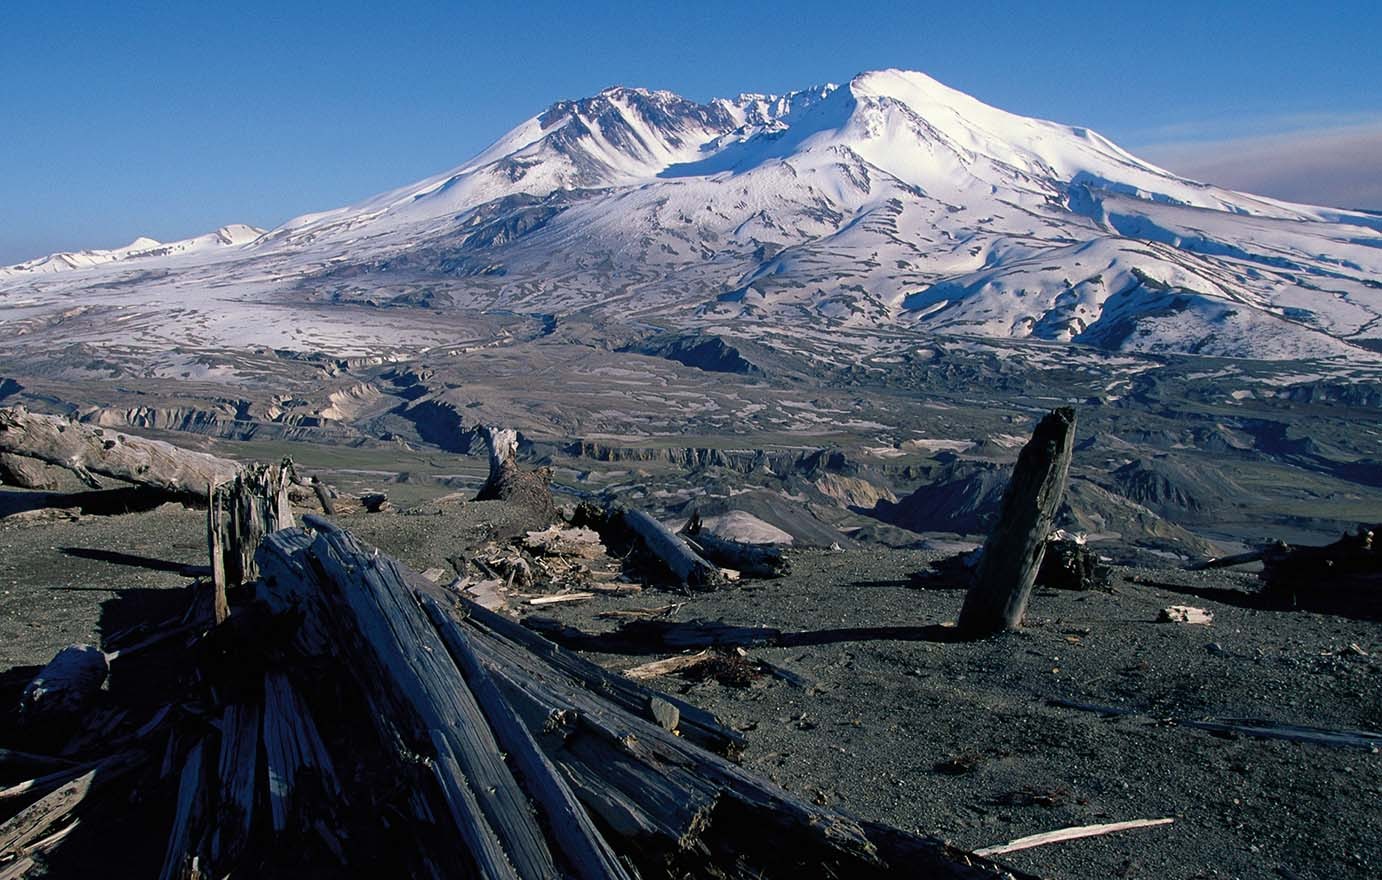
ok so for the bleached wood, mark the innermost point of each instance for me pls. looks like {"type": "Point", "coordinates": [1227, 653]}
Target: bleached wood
{"type": "Point", "coordinates": [87, 450]}
{"type": "Point", "coordinates": [1064, 834]}
{"type": "Point", "coordinates": [668, 666]}
{"type": "Point", "coordinates": [560, 598]}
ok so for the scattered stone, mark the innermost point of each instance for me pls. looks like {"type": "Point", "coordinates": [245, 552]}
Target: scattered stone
{"type": "Point", "coordinates": [1188, 614]}
{"type": "Point", "coordinates": [376, 502]}
{"type": "Point", "coordinates": [664, 713]}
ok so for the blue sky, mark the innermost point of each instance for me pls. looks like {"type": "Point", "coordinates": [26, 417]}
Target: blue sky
{"type": "Point", "coordinates": [169, 119]}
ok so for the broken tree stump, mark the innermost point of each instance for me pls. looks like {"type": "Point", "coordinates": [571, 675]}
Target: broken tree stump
{"type": "Point", "coordinates": [239, 513]}
{"type": "Point", "coordinates": [510, 482]}
{"type": "Point", "coordinates": [86, 450]}
{"type": "Point", "coordinates": [1013, 552]}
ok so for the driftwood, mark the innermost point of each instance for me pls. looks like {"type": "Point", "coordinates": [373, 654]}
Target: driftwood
{"type": "Point", "coordinates": [1013, 552]}
{"type": "Point", "coordinates": [1064, 834]}
{"type": "Point", "coordinates": [87, 450]}
{"type": "Point", "coordinates": [668, 666]}
{"type": "Point", "coordinates": [672, 551]}
{"type": "Point", "coordinates": [752, 560]}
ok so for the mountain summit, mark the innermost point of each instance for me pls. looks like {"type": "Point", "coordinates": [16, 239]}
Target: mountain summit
{"type": "Point", "coordinates": [890, 201]}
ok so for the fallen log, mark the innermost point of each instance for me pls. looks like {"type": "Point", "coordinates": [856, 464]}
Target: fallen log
{"type": "Point", "coordinates": [752, 560]}
{"type": "Point", "coordinates": [668, 666]}
{"type": "Point", "coordinates": [39, 818]}
{"type": "Point", "coordinates": [1322, 736]}
{"type": "Point", "coordinates": [26, 473]}
{"type": "Point", "coordinates": [541, 657]}
{"type": "Point", "coordinates": [672, 551]}
{"type": "Point", "coordinates": [576, 835]}
{"type": "Point", "coordinates": [86, 450]}
{"type": "Point", "coordinates": [1343, 577]}
{"type": "Point", "coordinates": [1013, 553]}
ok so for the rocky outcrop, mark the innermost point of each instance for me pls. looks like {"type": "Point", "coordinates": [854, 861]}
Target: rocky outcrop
{"type": "Point", "coordinates": [742, 461]}
{"type": "Point", "coordinates": [853, 492]}
{"type": "Point", "coordinates": [704, 351]}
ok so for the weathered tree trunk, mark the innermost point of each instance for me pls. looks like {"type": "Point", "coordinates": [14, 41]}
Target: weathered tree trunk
{"type": "Point", "coordinates": [510, 482]}
{"type": "Point", "coordinates": [65, 687]}
{"type": "Point", "coordinates": [680, 559]}
{"type": "Point", "coordinates": [88, 450]}
{"type": "Point", "coordinates": [570, 825]}
{"type": "Point", "coordinates": [26, 473]}
{"type": "Point", "coordinates": [239, 514]}
{"type": "Point", "coordinates": [416, 689]}
{"type": "Point", "coordinates": [1014, 549]}
{"type": "Point", "coordinates": [751, 560]}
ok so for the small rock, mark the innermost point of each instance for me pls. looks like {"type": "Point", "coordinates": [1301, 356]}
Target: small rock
{"type": "Point", "coordinates": [664, 713]}
{"type": "Point", "coordinates": [1186, 614]}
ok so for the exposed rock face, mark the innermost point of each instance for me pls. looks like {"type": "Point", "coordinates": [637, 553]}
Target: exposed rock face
{"type": "Point", "coordinates": [854, 492]}
{"type": "Point", "coordinates": [743, 461]}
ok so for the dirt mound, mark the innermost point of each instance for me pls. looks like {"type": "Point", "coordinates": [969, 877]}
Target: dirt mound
{"type": "Point", "coordinates": [1174, 487]}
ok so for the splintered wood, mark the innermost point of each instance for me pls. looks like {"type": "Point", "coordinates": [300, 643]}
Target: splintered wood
{"type": "Point", "coordinates": [354, 722]}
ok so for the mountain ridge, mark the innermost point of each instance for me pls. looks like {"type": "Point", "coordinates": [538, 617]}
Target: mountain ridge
{"type": "Point", "coordinates": [890, 200]}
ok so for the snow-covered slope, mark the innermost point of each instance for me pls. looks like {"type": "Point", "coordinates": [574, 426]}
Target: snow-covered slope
{"type": "Point", "coordinates": [891, 200]}
{"type": "Point", "coordinates": [143, 247]}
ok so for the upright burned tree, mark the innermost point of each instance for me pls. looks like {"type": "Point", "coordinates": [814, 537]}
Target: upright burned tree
{"type": "Point", "coordinates": [1013, 552]}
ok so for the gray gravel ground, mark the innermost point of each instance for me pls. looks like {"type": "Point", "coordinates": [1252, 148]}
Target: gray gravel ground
{"type": "Point", "coordinates": [883, 714]}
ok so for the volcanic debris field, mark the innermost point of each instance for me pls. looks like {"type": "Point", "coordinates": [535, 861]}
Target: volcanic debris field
{"type": "Point", "coordinates": [871, 469]}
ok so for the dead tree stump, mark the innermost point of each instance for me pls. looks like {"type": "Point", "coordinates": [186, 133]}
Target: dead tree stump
{"type": "Point", "coordinates": [1015, 547]}
{"type": "Point", "coordinates": [510, 482]}
{"type": "Point", "coordinates": [239, 514]}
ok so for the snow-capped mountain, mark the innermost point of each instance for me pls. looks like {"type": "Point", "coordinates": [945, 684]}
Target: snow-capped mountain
{"type": "Point", "coordinates": [891, 200]}
{"type": "Point", "coordinates": [141, 248]}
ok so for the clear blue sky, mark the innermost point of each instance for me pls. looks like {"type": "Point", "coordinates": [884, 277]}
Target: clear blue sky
{"type": "Point", "coordinates": [172, 118]}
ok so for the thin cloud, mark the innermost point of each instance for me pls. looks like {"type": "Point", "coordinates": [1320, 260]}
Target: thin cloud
{"type": "Point", "coordinates": [1339, 166]}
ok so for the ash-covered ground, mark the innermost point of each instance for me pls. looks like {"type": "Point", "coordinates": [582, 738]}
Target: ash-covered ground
{"type": "Point", "coordinates": [958, 739]}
